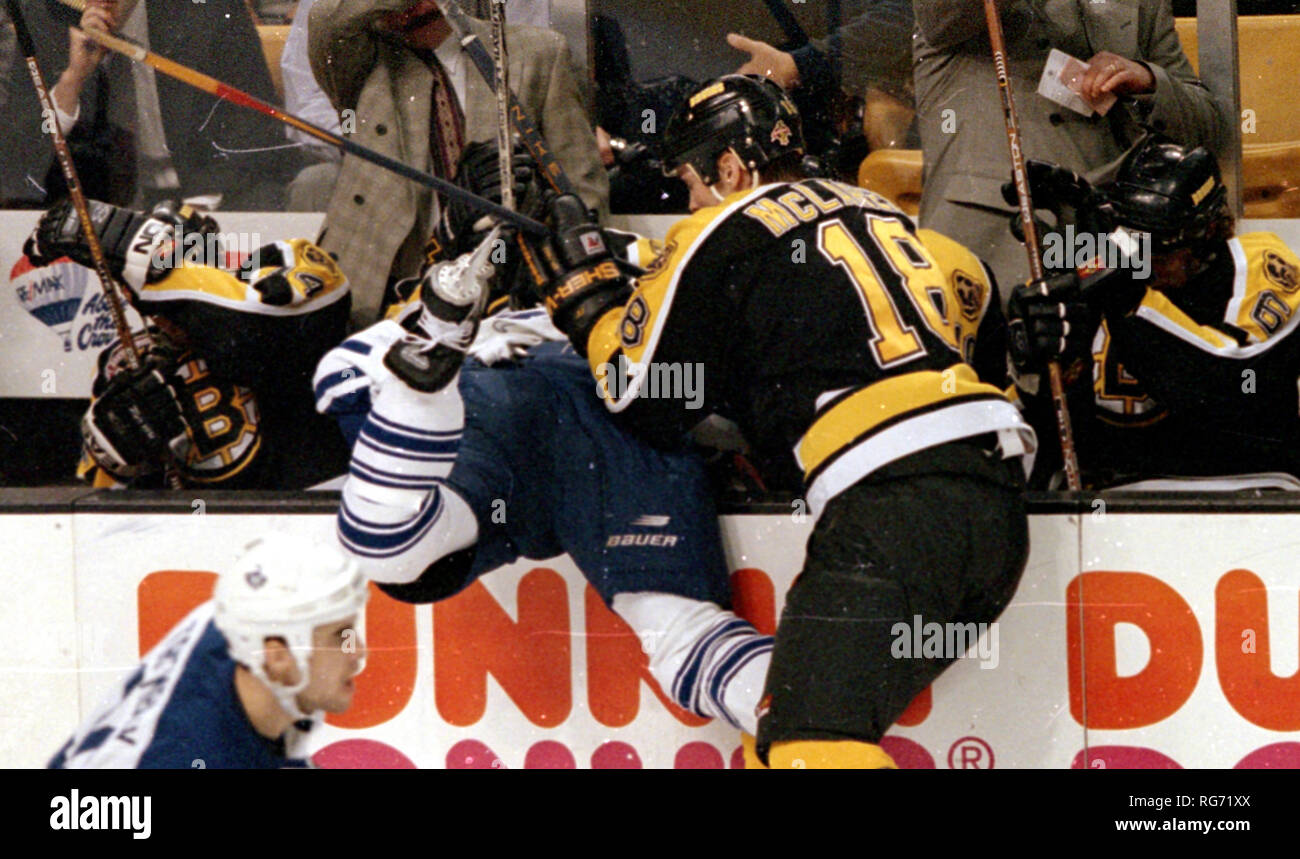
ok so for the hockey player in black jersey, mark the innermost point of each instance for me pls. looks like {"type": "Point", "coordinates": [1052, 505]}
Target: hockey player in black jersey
{"type": "Point", "coordinates": [223, 395]}
{"type": "Point", "coordinates": [834, 333]}
{"type": "Point", "coordinates": [1188, 372]}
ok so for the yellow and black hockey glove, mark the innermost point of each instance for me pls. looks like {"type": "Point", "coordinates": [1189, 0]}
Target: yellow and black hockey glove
{"type": "Point", "coordinates": [136, 423]}
{"type": "Point", "coordinates": [574, 273]}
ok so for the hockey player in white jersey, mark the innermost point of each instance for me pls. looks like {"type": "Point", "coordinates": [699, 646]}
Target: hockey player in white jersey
{"type": "Point", "coordinates": [459, 468]}
{"type": "Point", "coordinates": [240, 681]}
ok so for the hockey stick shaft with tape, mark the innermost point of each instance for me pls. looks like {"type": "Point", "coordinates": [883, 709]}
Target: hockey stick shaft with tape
{"type": "Point", "coordinates": [551, 169]}
{"type": "Point", "coordinates": [112, 293]}
{"type": "Point", "coordinates": [111, 287]}
{"type": "Point", "coordinates": [211, 85]}
{"type": "Point", "coordinates": [1020, 176]}
{"type": "Point", "coordinates": [501, 84]}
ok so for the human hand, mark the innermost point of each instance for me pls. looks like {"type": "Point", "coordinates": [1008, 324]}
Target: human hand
{"type": "Point", "coordinates": [766, 60]}
{"type": "Point", "coordinates": [83, 53]}
{"type": "Point", "coordinates": [1111, 73]}
{"type": "Point", "coordinates": [602, 144]}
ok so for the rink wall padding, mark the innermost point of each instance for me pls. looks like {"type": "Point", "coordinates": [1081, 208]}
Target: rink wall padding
{"type": "Point", "coordinates": [1148, 631]}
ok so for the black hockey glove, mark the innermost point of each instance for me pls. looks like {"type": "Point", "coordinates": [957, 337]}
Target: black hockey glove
{"type": "Point", "coordinates": [1050, 186]}
{"type": "Point", "coordinates": [479, 172]}
{"type": "Point", "coordinates": [140, 248]}
{"type": "Point", "coordinates": [136, 422]}
{"type": "Point", "coordinates": [1049, 320]}
{"type": "Point", "coordinates": [574, 273]}
{"type": "Point", "coordinates": [291, 272]}
{"type": "Point", "coordinates": [1067, 195]}
{"type": "Point", "coordinates": [1054, 319]}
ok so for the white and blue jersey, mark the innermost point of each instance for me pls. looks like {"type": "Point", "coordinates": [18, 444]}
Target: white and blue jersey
{"type": "Point", "coordinates": [522, 460]}
{"type": "Point", "coordinates": [177, 710]}
{"type": "Point", "coordinates": [547, 471]}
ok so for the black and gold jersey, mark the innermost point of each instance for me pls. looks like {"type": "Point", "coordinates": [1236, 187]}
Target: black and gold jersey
{"type": "Point", "coordinates": [1202, 379]}
{"type": "Point", "coordinates": [816, 316]}
{"type": "Point", "coordinates": [245, 354]}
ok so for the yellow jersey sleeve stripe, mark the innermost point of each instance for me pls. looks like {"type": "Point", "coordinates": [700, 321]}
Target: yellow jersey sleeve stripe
{"type": "Point", "coordinates": [1241, 270]}
{"type": "Point", "coordinates": [643, 251]}
{"type": "Point", "coordinates": [222, 289]}
{"type": "Point", "coordinates": [950, 254]}
{"type": "Point", "coordinates": [953, 258]}
{"type": "Point", "coordinates": [946, 422]}
{"type": "Point", "coordinates": [1165, 315]}
{"type": "Point", "coordinates": [1267, 283]}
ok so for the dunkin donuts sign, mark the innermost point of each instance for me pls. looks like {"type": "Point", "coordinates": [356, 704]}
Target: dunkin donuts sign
{"type": "Point", "coordinates": [1141, 641]}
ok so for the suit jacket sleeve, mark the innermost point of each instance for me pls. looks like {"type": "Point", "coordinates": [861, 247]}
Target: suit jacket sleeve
{"type": "Point", "coordinates": [567, 129]}
{"type": "Point", "coordinates": [1181, 106]}
{"type": "Point", "coordinates": [343, 45]}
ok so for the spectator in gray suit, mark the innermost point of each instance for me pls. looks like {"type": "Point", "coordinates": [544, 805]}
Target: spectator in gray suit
{"type": "Point", "coordinates": [1133, 52]}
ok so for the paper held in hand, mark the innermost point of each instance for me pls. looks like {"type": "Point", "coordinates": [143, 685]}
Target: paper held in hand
{"type": "Point", "coordinates": [1062, 83]}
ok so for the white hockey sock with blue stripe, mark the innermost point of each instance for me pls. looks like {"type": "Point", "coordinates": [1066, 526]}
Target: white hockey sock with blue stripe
{"type": "Point", "coordinates": [397, 516]}
{"type": "Point", "coordinates": [709, 661]}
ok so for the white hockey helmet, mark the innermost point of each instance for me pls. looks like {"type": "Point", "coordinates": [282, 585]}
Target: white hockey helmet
{"type": "Point", "coordinates": [284, 587]}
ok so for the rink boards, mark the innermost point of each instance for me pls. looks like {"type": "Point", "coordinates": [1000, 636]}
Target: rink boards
{"type": "Point", "coordinates": [1146, 632]}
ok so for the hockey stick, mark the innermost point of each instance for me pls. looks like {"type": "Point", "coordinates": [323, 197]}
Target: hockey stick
{"type": "Point", "coordinates": [212, 86]}
{"type": "Point", "coordinates": [112, 288]}
{"type": "Point", "coordinates": [501, 83]}
{"type": "Point", "coordinates": [1021, 177]}
{"type": "Point", "coordinates": [532, 139]}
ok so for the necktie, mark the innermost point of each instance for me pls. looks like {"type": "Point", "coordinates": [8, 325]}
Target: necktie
{"type": "Point", "coordinates": [446, 140]}
{"type": "Point", "coordinates": [446, 124]}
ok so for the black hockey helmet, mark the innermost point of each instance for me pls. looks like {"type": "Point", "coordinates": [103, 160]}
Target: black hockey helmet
{"type": "Point", "coordinates": [1175, 194]}
{"type": "Point", "coordinates": [746, 113]}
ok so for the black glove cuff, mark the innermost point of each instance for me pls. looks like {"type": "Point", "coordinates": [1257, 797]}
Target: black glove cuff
{"type": "Point", "coordinates": [578, 319]}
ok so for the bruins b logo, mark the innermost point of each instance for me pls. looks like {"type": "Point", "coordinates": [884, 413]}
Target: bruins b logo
{"type": "Point", "coordinates": [1281, 272]}
{"type": "Point", "coordinates": [970, 294]}
{"type": "Point", "coordinates": [223, 422]}
{"type": "Point", "coordinates": [632, 328]}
